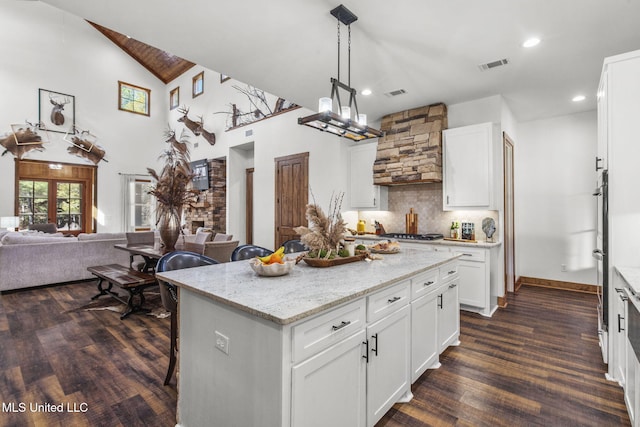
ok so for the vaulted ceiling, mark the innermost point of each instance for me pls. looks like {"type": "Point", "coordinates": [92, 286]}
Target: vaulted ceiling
{"type": "Point", "coordinates": [431, 49]}
{"type": "Point", "coordinates": [161, 64]}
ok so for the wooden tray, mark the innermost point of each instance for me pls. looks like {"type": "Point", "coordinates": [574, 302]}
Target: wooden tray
{"type": "Point", "coordinates": [319, 262]}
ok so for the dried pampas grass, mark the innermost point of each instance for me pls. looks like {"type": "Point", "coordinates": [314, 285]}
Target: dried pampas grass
{"type": "Point", "coordinates": [324, 232]}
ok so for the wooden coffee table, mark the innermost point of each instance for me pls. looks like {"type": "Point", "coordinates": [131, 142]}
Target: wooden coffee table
{"type": "Point", "coordinates": [132, 281]}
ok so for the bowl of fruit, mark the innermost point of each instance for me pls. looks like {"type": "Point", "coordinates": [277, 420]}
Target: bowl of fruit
{"type": "Point", "coordinates": [272, 265]}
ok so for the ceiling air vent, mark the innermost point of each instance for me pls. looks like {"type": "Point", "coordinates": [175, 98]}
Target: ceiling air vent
{"type": "Point", "coordinates": [396, 92]}
{"type": "Point", "coordinates": [493, 64]}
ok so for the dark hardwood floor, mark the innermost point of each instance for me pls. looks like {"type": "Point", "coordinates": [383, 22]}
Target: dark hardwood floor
{"type": "Point", "coordinates": [535, 363]}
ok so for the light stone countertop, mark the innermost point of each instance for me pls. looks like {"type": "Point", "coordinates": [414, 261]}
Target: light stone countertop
{"type": "Point", "coordinates": [305, 290]}
{"type": "Point", "coordinates": [478, 244]}
{"type": "Point", "coordinates": [631, 275]}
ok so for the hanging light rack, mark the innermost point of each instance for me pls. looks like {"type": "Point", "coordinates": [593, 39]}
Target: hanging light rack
{"type": "Point", "coordinates": [326, 119]}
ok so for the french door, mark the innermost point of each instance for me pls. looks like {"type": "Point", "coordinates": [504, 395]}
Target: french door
{"type": "Point", "coordinates": [63, 194]}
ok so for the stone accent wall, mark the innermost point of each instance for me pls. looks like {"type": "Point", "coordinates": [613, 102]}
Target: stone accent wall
{"type": "Point", "coordinates": [212, 204]}
{"type": "Point", "coordinates": [411, 149]}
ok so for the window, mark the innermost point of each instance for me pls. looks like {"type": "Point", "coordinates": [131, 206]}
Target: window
{"type": "Point", "coordinates": [198, 84]}
{"type": "Point", "coordinates": [174, 98]}
{"type": "Point", "coordinates": [134, 99]}
{"type": "Point", "coordinates": [33, 203]}
{"type": "Point", "coordinates": [143, 205]}
{"type": "Point", "coordinates": [69, 205]}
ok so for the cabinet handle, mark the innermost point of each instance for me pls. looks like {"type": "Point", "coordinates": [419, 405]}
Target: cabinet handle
{"type": "Point", "coordinates": [428, 283]}
{"type": "Point", "coordinates": [598, 160]}
{"type": "Point", "coordinates": [620, 328]}
{"type": "Point", "coordinates": [366, 350]}
{"type": "Point", "coordinates": [447, 199]}
{"type": "Point", "coordinates": [394, 299]}
{"type": "Point", "coordinates": [374, 201]}
{"type": "Point", "coordinates": [375, 350]}
{"type": "Point", "coordinates": [451, 272]}
{"type": "Point", "coordinates": [453, 285]}
{"type": "Point", "coordinates": [467, 254]}
{"type": "Point", "coordinates": [440, 302]}
{"type": "Point", "coordinates": [341, 325]}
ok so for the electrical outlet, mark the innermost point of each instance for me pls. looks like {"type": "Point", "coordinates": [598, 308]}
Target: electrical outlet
{"type": "Point", "coordinates": [563, 267]}
{"type": "Point", "coordinates": [222, 343]}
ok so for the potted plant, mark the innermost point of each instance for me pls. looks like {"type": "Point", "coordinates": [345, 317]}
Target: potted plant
{"type": "Point", "coordinates": [171, 189]}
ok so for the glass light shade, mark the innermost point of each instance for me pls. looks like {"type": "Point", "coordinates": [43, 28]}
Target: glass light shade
{"type": "Point", "coordinates": [325, 104]}
{"type": "Point", "coordinates": [362, 119]}
{"type": "Point", "coordinates": [346, 113]}
{"type": "Point", "coordinates": [9, 222]}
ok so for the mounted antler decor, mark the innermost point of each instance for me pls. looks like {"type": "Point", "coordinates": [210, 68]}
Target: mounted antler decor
{"type": "Point", "coordinates": [23, 139]}
{"type": "Point", "coordinates": [196, 127]}
{"type": "Point", "coordinates": [57, 111]}
{"type": "Point", "coordinates": [83, 144]}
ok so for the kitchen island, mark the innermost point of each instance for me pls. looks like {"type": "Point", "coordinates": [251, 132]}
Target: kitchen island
{"type": "Point", "coordinates": [319, 346]}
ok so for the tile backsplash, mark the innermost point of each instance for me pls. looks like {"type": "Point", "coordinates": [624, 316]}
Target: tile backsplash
{"type": "Point", "coordinates": [426, 201]}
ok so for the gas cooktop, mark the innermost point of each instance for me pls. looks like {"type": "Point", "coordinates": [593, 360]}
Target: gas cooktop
{"type": "Point", "coordinates": [406, 236]}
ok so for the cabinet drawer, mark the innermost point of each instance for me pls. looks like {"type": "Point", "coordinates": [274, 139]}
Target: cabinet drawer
{"type": "Point", "coordinates": [424, 283]}
{"type": "Point", "coordinates": [471, 254]}
{"type": "Point", "coordinates": [314, 335]}
{"type": "Point", "coordinates": [448, 271]}
{"type": "Point", "coordinates": [387, 301]}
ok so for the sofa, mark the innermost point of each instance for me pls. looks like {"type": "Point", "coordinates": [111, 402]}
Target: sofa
{"type": "Point", "coordinates": [35, 259]}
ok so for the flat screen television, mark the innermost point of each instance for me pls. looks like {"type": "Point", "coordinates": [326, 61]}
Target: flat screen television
{"type": "Point", "coordinates": [200, 179]}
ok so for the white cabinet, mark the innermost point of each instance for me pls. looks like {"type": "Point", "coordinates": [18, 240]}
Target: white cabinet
{"type": "Point", "coordinates": [448, 315]}
{"type": "Point", "coordinates": [632, 384]}
{"type": "Point", "coordinates": [474, 271]}
{"type": "Point", "coordinates": [468, 168]}
{"type": "Point", "coordinates": [602, 158]}
{"type": "Point", "coordinates": [388, 363]}
{"type": "Point", "coordinates": [363, 195]}
{"type": "Point", "coordinates": [424, 323]}
{"type": "Point", "coordinates": [338, 374]}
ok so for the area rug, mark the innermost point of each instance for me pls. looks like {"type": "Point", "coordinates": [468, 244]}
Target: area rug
{"type": "Point", "coordinates": [152, 302]}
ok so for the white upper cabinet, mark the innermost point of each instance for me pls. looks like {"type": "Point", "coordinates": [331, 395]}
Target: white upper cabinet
{"type": "Point", "coordinates": [601, 161]}
{"type": "Point", "coordinates": [468, 167]}
{"type": "Point", "coordinates": [363, 195]}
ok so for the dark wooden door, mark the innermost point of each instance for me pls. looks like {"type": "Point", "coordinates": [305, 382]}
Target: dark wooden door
{"type": "Point", "coordinates": [292, 195]}
{"type": "Point", "coordinates": [249, 205]}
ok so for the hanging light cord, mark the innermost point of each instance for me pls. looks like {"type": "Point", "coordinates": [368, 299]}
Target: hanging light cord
{"type": "Point", "coordinates": [338, 49]}
{"type": "Point", "coordinates": [349, 57]}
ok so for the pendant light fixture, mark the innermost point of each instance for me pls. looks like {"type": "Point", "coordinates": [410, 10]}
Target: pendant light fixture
{"type": "Point", "coordinates": [346, 121]}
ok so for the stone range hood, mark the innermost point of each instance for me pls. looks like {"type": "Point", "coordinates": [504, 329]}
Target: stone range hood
{"type": "Point", "coordinates": [410, 151]}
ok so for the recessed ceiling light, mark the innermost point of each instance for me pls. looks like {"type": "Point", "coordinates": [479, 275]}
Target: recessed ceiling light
{"type": "Point", "coordinates": [578, 98]}
{"type": "Point", "coordinates": [533, 41]}
{"type": "Point", "coordinates": [366, 92]}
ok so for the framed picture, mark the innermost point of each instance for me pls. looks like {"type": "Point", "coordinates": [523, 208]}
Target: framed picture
{"type": "Point", "coordinates": [56, 111]}
{"type": "Point", "coordinates": [198, 84]}
{"type": "Point", "coordinates": [174, 98]}
{"type": "Point", "coordinates": [224, 78]}
{"type": "Point", "coordinates": [134, 99]}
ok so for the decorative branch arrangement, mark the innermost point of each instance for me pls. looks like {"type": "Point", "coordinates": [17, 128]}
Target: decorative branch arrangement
{"type": "Point", "coordinates": [259, 105]}
{"type": "Point", "coordinates": [196, 127]}
{"type": "Point", "coordinates": [324, 233]}
{"type": "Point", "coordinates": [172, 183]}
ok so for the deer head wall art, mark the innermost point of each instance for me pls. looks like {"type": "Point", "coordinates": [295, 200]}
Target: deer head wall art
{"type": "Point", "coordinates": [57, 110]}
{"type": "Point", "coordinates": [196, 127]}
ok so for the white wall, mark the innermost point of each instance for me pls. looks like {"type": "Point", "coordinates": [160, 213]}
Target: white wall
{"type": "Point", "coordinates": [43, 47]}
{"type": "Point", "coordinates": [555, 209]}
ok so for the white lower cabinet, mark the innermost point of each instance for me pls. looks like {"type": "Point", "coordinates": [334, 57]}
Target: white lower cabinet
{"type": "Point", "coordinates": [424, 335]}
{"type": "Point", "coordinates": [338, 374]}
{"type": "Point", "coordinates": [388, 363]}
{"type": "Point", "coordinates": [632, 372]}
{"type": "Point", "coordinates": [448, 315]}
